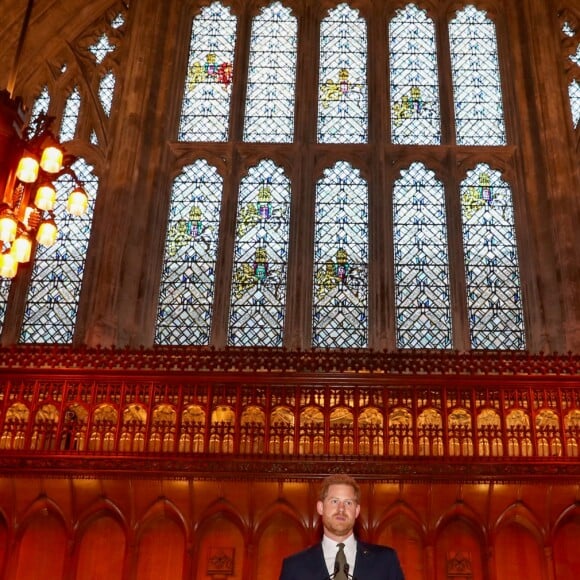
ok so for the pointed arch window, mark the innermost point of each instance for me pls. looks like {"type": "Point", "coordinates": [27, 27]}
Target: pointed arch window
{"type": "Point", "coordinates": [70, 116]}
{"type": "Point", "coordinates": [479, 118]}
{"type": "Point", "coordinates": [206, 101]}
{"type": "Point", "coordinates": [258, 295]}
{"type": "Point", "coordinates": [342, 82]}
{"type": "Point", "coordinates": [55, 286]}
{"type": "Point", "coordinates": [340, 286]}
{"type": "Point", "coordinates": [491, 261]}
{"type": "Point", "coordinates": [188, 279]}
{"type": "Point", "coordinates": [271, 77]}
{"type": "Point", "coordinates": [414, 83]}
{"type": "Point", "coordinates": [571, 45]}
{"type": "Point", "coordinates": [106, 91]}
{"type": "Point", "coordinates": [422, 294]}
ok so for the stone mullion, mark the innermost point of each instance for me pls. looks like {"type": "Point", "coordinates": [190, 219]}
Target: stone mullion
{"type": "Point", "coordinates": [451, 177]}
{"type": "Point", "coordinates": [298, 330]}
{"type": "Point", "coordinates": [234, 170]}
{"type": "Point", "coordinates": [548, 179]}
{"type": "Point", "coordinates": [381, 331]}
{"type": "Point", "coordinates": [123, 242]}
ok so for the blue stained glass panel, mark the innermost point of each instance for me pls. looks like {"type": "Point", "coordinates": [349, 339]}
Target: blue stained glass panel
{"type": "Point", "coordinates": [271, 77]}
{"type": "Point", "coordinates": [422, 296]}
{"type": "Point", "coordinates": [258, 296]}
{"type": "Point", "coordinates": [53, 295]}
{"type": "Point", "coordinates": [415, 114]}
{"type": "Point", "coordinates": [479, 118]}
{"type": "Point", "coordinates": [340, 300]}
{"type": "Point", "coordinates": [342, 82]}
{"type": "Point", "coordinates": [491, 261]}
{"type": "Point", "coordinates": [206, 99]}
{"type": "Point", "coordinates": [187, 285]}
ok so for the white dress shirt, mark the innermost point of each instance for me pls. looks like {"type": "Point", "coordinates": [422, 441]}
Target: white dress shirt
{"type": "Point", "coordinates": [329, 549]}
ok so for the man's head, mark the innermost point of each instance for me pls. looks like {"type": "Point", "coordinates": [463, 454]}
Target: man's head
{"type": "Point", "coordinates": [338, 506]}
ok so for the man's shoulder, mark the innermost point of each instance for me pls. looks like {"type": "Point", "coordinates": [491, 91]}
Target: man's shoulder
{"type": "Point", "coordinates": [366, 548]}
{"type": "Point", "coordinates": [306, 553]}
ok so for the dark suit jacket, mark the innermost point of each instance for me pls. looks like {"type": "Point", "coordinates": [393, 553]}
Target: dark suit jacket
{"type": "Point", "coordinates": [372, 563]}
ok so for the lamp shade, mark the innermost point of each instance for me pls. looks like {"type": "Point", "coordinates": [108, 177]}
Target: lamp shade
{"type": "Point", "coordinates": [8, 227]}
{"type": "Point", "coordinates": [21, 248]}
{"type": "Point", "coordinates": [45, 197]}
{"type": "Point", "coordinates": [51, 159]}
{"type": "Point", "coordinates": [27, 170]}
{"type": "Point", "coordinates": [8, 265]}
{"type": "Point", "coordinates": [77, 202]}
{"type": "Point", "coordinates": [47, 233]}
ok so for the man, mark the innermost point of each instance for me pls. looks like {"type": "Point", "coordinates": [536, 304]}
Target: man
{"type": "Point", "coordinates": [340, 556]}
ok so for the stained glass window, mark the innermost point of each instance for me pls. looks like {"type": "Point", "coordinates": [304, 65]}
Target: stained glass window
{"type": "Point", "coordinates": [271, 77]}
{"type": "Point", "coordinates": [574, 94]}
{"type": "Point", "coordinates": [106, 91]}
{"type": "Point", "coordinates": [491, 261]}
{"type": "Point", "coordinates": [206, 100]}
{"type": "Point", "coordinates": [342, 82]}
{"type": "Point", "coordinates": [4, 291]}
{"type": "Point", "coordinates": [68, 124]}
{"type": "Point", "coordinates": [415, 116]}
{"type": "Point", "coordinates": [101, 48]}
{"type": "Point", "coordinates": [55, 286]}
{"type": "Point", "coordinates": [340, 286]}
{"type": "Point", "coordinates": [40, 106]}
{"type": "Point", "coordinates": [258, 296]}
{"type": "Point", "coordinates": [477, 94]}
{"type": "Point", "coordinates": [421, 262]}
{"type": "Point", "coordinates": [187, 284]}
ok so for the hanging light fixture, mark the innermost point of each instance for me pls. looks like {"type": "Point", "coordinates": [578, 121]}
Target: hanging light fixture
{"type": "Point", "coordinates": [29, 197]}
{"type": "Point", "coordinates": [31, 159]}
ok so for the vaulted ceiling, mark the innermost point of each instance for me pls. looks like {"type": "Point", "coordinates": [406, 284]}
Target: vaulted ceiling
{"type": "Point", "coordinates": [52, 24]}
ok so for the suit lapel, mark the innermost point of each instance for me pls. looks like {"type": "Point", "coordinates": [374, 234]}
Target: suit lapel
{"type": "Point", "coordinates": [319, 571]}
{"type": "Point", "coordinates": [363, 561]}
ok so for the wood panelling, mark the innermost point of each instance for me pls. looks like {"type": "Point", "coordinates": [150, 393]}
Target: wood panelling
{"type": "Point", "coordinates": [129, 529]}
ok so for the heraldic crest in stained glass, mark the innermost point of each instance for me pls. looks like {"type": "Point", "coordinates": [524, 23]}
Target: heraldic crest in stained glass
{"type": "Point", "coordinates": [210, 72]}
{"type": "Point", "coordinates": [260, 271]}
{"type": "Point", "coordinates": [338, 274]}
{"type": "Point", "coordinates": [336, 90]}
{"type": "Point", "coordinates": [409, 106]}
{"type": "Point", "coordinates": [191, 230]}
{"type": "Point", "coordinates": [477, 197]}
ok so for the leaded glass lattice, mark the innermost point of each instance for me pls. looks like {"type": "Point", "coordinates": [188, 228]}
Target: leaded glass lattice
{"type": "Point", "coordinates": [479, 118]}
{"type": "Point", "coordinates": [258, 296]}
{"type": "Point", "coordinates": [342, 82]}
{"type": "Point", "coordinates": [101, 48]}
{"type": "Point", "coordinates": [206, 100]}
{"type": "Point", "coordinates": [340, 285]}
{"type": "Point", "coordinates": [187, 285]}
{"type": "Point", "coordinates": [414, 84]}
{"type": "Point", "coordinates": [4, 291]}
{"type": "Point", "coordinates": [574, 94]}
{"type": "Point", "coordinates": [491, 261]}
{"type": "Point", "coordinates": [106, 91]}
{"type": "Point", "coordinates": [422, 298]}
{"type": "Point", "coordinates": [40, 105]}
{"type": "Point", "coordinates": [55, 286]}
{"type": "Point", "coordinates": [70, 116]}
{"type": "Point", "coordinates": [271, 77]}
